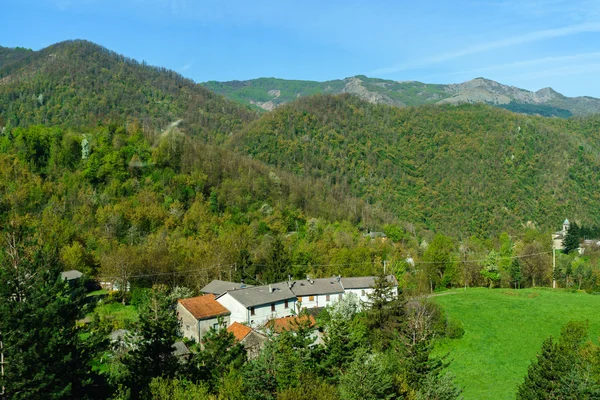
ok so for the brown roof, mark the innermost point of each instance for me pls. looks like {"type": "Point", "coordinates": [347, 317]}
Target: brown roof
{"type": "Point", "coordinates": [239, 331]}
{"type": "Point", "coordinates": [291, 323]}
{"type": "Point", "coordinates": [203, 307]}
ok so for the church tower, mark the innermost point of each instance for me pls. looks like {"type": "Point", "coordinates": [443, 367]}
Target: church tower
{"type": "Point", "coordinates": [566, 226]}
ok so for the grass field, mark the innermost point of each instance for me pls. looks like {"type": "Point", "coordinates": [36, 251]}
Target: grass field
{"type": "Point", "coordinates": [504, 330]}
{"type": "Point", "coordinates": [116, 314]}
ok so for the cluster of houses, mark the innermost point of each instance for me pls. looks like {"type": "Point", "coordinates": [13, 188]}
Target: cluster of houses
{"type": "Point", "coordinates": [245, 309]}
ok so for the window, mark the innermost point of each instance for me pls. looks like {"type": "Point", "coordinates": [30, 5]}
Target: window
{"type": "Point", "coordinates": [216, 326]}
{"type": "Point", "coordinates": [311, 298]}
{"type": "Point", "coordinates": [273, 307]}
{"type": "Point", "coordinates": [339, 296]}
{"type": "Point", "coordinates": [327, 298]}
{"type": "Point", "coordinates": [286, 304]}
{"type": "Point", "coordinates": [251, 310]}
{"type": "Point", "coordinates": [300, 299]}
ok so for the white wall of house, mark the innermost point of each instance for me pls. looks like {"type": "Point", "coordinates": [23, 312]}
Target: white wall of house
{"type": "Point", "coordinates": [321, 300]}
{"type": "Point", "coordinates": [239, 313]}
{"type": "Point", "coordinates": [262, 313]}
{"type": "Point", "coordinates": [265, 312]}
{"type": "Point", "coordinates": [362, 294]}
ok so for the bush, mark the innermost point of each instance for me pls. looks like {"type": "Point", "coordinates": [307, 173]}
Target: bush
{"type": "Point", "coordinates": [454, 329]}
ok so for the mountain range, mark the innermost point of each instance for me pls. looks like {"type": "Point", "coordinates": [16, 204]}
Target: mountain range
{"type": "Point", "coordinates": [437, 162]}
{"type": "Point", "coordinates": [268, 93]}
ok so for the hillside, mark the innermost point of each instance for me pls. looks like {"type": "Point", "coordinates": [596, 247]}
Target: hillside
{"type": "Point", "coordinates": [78, 84]}
{"type": "Point", "coordinates": [504, 330]}
{"type": "Point", "coordinates": [455, 169]}
{"type": "Point", "coordinates": [471, 169]}
{"type": "Point", "coordinates": [268, 93]}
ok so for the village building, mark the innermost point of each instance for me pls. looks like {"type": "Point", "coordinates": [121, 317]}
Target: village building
{"type": "Point", "coordinates": [71, 275]}
{"type": "Point", "coordinates": [252, 340]}
{"type": "Point", "coordinates": [199, 314]}
{"type": "Point", "coordinates": [363, 286]}
{"type": "Point", "coordinates": [558, 237]}
{"type": "Point", "coordinates": [256, 305]}
{"type": "Point", "coordinates": [218, 287]}
{"type": "Point", "coordinates": [317, 293]}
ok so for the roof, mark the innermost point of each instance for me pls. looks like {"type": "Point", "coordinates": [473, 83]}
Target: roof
{"type": "Point", "coordinates": [239, 331]}
{"type": "Point", "coordinates": [317, 286]}
{"type": "Point", "coordinates": [363, 282]}
{"type": "Point", "coordinates": [180, 349]}
{"type": "Point", "coordinates": [290, 323]}
{"type": "Point", "coordinates": [218, 287]}
{"type": "Point", "coordinates": [204, 307]}
{"type": "Point", "coordinates": [71, 275]}
{"type": "Point", "coordinates": [259, 295]}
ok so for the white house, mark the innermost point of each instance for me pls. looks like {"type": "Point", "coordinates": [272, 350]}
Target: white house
{"type": "Point", "coordinates": [311, 293]}
{"type": "Point", "coordinates": [362, 286]}
{"type": "Point", "coordinates": [199, 314]}
{"type": "Point", "coordinates": [256, 305]}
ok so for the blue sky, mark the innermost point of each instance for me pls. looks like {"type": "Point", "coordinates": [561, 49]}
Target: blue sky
{"type": "Point", "coordinates": [530, 43]}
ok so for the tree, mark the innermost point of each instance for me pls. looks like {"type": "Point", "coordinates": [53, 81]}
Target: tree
{"type": "Point", "coordinates": [439, 387]}
{"type": "Point", "coordinates": [120, 265]}
{"type": "Point", "coordinates": [571, 239]}
{"type": "Point", "coordinates": [440, 261]}
{"type": "Point", "coordinates": [153, 339]}
{"type": "Point", "coordinates": [44, 354]}
{"type": "Point", "coordinates": [366, 378]}
{"type": "Point", "coordinates": [561, 371]}
{"type": "Point", "coordinates": [220, 352]}
{"type": "Point", "coordinates": [491, 271]}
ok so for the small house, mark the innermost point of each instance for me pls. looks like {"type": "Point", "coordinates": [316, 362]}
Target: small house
{"type": "Point", "coordinates": [252, 340]}
{"type": "Point", "coordinates": [199, 314]}
{"type": "Point", "coordinates": [362, 286]}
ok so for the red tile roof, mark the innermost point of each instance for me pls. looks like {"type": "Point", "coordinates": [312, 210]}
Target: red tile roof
{"type": "Point", "coordinates": [203, 307]}
{"type": "Point", "coordinates": [239, 331]}
{"type": "Point", "coordinates": [291, 323]}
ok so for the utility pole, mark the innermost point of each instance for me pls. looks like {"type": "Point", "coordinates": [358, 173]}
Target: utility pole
{"type": "Point", "coordinates": [2, 365]}
{"type": "Point", "coordinates": [553, 266]}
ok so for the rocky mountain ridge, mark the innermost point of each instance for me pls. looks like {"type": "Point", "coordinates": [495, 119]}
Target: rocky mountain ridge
{"type": "Point", "coordinates": [268, 93]}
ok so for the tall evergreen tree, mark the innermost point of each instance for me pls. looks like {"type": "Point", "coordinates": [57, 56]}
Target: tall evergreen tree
{"type": "Point", "coordinates": [561, 371]}
{"type": "Point", "coordinates": [152, 355]}
{"type": "Point", "coordinates": [572, 238]}
{"type": "Point", "coordinates": [44, 355]}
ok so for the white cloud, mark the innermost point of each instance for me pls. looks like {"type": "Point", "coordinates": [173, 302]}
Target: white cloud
{"type": "Point", "coordinates": [493, 45]}
{"type": "Point", "coordinates": [574, 58]}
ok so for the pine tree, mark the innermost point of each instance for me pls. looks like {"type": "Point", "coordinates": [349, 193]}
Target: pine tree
{"type": "Point", "coordinates": [152, 355]}
{"type": "Point", "coordinates": [571, 239]}
{"type": "Point", "coordinates": [560, 370]}
{"type": "Point", "coordinates": [43, 352]}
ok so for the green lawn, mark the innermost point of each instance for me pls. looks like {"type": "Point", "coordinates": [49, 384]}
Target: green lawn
{"type": "Point", "coordinates": [504, 330]}
{"type": "Point", "coordinates": [117, 315]}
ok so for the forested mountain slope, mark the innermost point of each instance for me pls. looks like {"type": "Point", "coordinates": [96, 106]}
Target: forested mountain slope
{"type": "Point", "coordinates": [268, 93]}
{"type": "Point", "coordinates": [78, 84]}
{"type": "Point", "coordinates": [456, 169]}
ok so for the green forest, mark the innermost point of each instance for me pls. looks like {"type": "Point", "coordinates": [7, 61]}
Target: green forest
{"type": "Point", "coordinates": [133, 174]}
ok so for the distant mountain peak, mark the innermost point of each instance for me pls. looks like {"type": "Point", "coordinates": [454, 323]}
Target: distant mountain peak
{"type": "Point", "coordinates": [546, 101]}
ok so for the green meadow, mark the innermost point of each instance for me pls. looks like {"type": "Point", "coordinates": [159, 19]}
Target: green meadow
{"type": "Point", "coordinates": [504, 330]}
